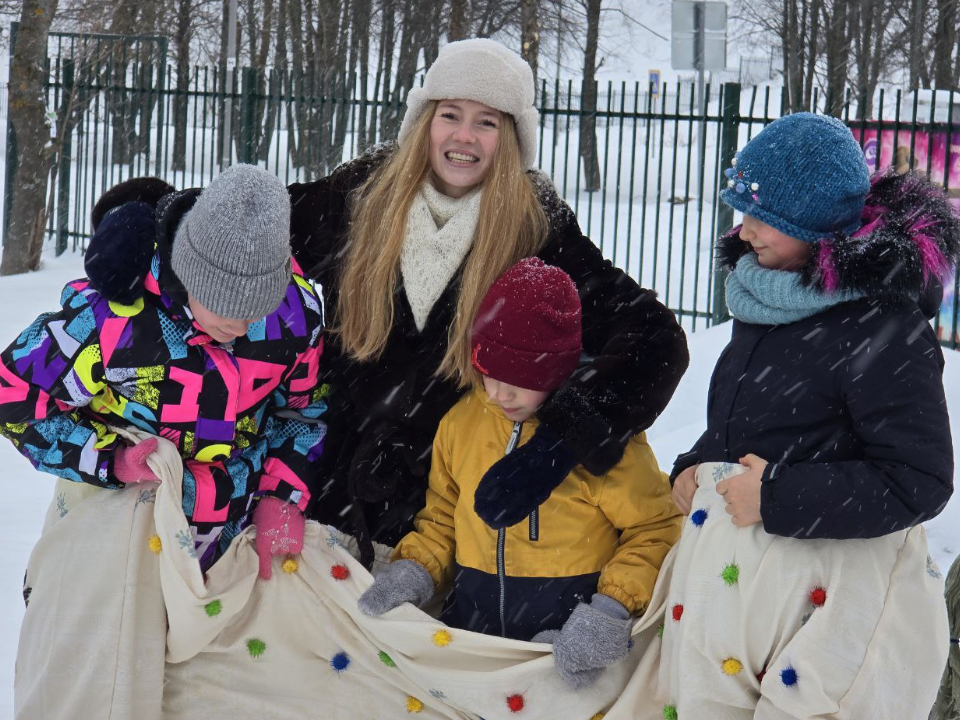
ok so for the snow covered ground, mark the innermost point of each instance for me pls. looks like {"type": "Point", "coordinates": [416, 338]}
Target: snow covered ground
{"type": "Point", "coordinates": [27, 493]}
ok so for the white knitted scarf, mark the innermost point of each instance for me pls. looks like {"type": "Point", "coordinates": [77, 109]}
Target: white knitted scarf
{"type": "Point", "coordinates": [439, 234]}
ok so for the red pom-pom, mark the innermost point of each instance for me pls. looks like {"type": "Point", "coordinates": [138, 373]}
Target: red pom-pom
{"type": "Point", "coordinates": [677, 612]}
{"type": "Point", "coordinates": [515, 703]}
{"type": "Point", "coordinates": [339, 572]}
{"type": "Point", "coordinates": [760, 675]}
{"type": "Point", "coordinates": [818, 596]}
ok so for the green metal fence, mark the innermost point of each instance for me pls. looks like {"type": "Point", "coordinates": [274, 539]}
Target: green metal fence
{"type": "Point", "coordinates": [643, 185]}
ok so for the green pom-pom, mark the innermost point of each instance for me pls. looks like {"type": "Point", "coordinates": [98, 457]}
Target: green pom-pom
{"type": "Point", "coordinates": [660, 632]}
{"type": "Point", "coordinates": [731, 574]}
{"type": "Point", "coordinates": [669, 712]}
{"type": "Point", "coordinates": [256, 647]}
{"type": "Point", "coordinates": [213, 608]}
{"type": "Point", "coordinates": [386, 659]}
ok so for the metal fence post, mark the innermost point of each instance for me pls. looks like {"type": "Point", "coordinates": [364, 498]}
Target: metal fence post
{"type": "Point", "coordinates": [248, 104]}
{"type": "Point", "coordinates": [65, 163]}
{"type": "Point", "coordinates": [729, 138]}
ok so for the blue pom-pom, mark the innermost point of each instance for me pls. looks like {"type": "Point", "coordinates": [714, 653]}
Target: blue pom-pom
{"type": "Point", "coordinates": [741, 188]}
{"type": "Point", "coordinates": [789, 676]}
{"type": "Point", "coordinates": [340, 661]}
{"type": "Point", "coordinates": [699, 517]}
{"type": "Point", "coordinates": [729, 172]}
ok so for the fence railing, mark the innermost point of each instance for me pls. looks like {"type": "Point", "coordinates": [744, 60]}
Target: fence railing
{"type": "Point", "coordinates": [641, 172]}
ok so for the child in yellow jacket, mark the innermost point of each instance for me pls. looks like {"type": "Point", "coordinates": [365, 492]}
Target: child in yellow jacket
{"type": "Point", "coordinates": [580, 566]}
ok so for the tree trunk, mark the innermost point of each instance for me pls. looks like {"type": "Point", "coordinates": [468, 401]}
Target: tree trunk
{"type": "Point", "coordinates": [530, 35]}
{"type": "Point", "coordinates": [917, 14]}
{"type": "Point", "coordinates": [812, 54]}
{"type": "Point", "coordinates": [588, 102]}
{"type": "Point", "coordinates": [361, 21]}
{"type": "Point", "coordinates": [944, 41]}
{"type": "Point", "coordinates": [181, 41]}
{"type": "Point", "coordinates": [459, 25]}
{"type": "Point", "coordinates": [410, 26]}
{"type": "Point", "coordinates": [277, 77]}
{"type": "Point", "coordinates": [23, 240]}
{"type": "Point", "coordinates": [838, 56]}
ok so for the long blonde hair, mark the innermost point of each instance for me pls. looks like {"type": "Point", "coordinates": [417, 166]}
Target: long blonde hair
{"type": "Point", "coordinates": [511, 226]}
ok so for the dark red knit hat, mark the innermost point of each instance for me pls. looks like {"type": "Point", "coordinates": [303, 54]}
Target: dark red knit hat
{"type": "Point", "coordinates": [527, 331]}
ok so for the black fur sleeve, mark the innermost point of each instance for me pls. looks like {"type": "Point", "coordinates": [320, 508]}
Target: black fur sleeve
{"type": "Point", "coordinates": [634, 351]}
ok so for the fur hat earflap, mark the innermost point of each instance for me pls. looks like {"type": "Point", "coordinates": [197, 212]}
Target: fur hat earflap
{"type": "Point", "coordinates": [147, 190]}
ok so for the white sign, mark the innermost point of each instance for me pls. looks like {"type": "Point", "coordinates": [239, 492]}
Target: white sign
{"type": "Point", "coordinates": [699, 35]}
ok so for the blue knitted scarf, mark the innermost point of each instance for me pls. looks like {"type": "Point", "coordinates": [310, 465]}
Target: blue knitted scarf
{"type": "Point", "coordinates": [761, 296]}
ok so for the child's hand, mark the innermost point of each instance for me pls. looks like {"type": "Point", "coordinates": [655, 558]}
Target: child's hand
{"type": "Point", "coordinates": [742, 492]}
{"type": "Point", "coordinates": [280, 528]}
{"type": "Point", "coordinates": [130, 462]}
{"type": "Point", "coordinates": [684, 488]}
{"type": "Point", "coordinates": [595, 636]}
{"type": "Point", "coordinates": [402, 581]}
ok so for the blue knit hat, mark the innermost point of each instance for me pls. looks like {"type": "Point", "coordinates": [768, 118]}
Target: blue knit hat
{"type": "Point", "coordinates": [803, 174]}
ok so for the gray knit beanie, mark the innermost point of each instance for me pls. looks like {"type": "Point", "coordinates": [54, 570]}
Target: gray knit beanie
{"type": "Point", "coordinates": [486, 72]}
{"type": "Point", "coordinates": [232, 250]}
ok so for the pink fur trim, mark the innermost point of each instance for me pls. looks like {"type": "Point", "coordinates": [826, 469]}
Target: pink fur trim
{"type": "Point", "coordinates": [831, 279]}
{"type": "Point", "coordinates": [934, 263]}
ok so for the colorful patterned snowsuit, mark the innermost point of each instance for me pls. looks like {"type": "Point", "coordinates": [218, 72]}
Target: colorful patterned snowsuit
{"type": "Point", "coordinates": [74, 373]}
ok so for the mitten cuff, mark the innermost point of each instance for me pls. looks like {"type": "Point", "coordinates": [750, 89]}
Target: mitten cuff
{"type": "Point", "coordinates": [414, 576]}
{"type": "Point", "coordinates": [610, 607]}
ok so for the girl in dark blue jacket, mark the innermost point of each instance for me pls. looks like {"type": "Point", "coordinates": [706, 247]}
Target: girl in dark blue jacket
{"type": "Point", "coordinates": [826, 422]}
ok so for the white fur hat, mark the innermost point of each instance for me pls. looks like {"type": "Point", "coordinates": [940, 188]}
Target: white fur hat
{"type": "Point", "coordinates": [486, 72]}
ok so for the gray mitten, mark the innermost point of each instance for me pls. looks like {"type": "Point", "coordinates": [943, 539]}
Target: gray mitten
{"type": "Point", "coordinates": [400, 582]}
{"type": "Point", "coordinates": [576, 680]}
{"type": "Point", "coordinates": [593, 637]}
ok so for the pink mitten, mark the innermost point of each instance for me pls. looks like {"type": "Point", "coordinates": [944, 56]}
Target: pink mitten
{"type": "Point", "coordinates": [130, 462]}
{"type": "Point", "coordinates": [279, 531]}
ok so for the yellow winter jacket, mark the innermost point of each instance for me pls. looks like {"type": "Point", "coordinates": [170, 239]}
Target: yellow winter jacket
{"type": "Point", "coordinates": [605, 534]}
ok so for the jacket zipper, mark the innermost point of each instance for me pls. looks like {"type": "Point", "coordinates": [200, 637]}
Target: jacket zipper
{"type": "Point", "coordinates": [502, 540]}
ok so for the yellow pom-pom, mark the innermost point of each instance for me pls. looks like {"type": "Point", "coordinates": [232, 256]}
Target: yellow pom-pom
{"type": "Point", "coordinates": [732, 666]}
{"type": "Point", "coordinates": [289, 566]}
{"type": "Point", "coordinates": [442, 638]}
{"type": "Point", "coordinates": [598, 716]}
{"type": "Point", "coordinates": [414, 705]}
{"type": "Point", "coordinates": [155, 545]}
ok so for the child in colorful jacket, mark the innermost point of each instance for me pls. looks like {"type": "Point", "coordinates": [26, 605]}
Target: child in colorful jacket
{"type": "Point", "coordinates": [802, 586]}
{"type": "Point", "coordinates": [220, 356]}
{"type": "Point", "coordinates": [593, 537]}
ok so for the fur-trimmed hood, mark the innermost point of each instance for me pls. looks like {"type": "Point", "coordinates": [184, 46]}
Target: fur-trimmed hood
{"type": "Point", "coordinates": [170, 211]}
{"type": "Point", "coordinates": [908, 242]}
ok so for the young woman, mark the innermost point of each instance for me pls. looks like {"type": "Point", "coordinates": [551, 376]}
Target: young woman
{"type": "Point", "coordinates": [405, 241]}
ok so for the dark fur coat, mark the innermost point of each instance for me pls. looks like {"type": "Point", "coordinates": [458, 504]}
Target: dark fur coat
{"type": "Point", "coordinates": [634, 356]}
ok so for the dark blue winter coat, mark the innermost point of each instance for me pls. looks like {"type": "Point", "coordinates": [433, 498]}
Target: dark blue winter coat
{"type": "Point", "coordinates": [847, 406]}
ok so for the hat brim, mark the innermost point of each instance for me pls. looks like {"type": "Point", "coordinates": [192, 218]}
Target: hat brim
{"type": "Point", "coordinates": [745, 204]}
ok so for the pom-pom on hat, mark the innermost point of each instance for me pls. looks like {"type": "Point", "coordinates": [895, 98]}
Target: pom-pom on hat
{"type": "Point", "coordinates": [486, 72]}
{"type": "Point", "coordinates": [803, 174]}
{"type": "Point", "coordinates": [232, 249]}
{"type": "Point", "coordinates": [527, 330]}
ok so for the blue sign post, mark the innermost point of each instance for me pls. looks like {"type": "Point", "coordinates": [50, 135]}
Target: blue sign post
{"type": "Point", "coordinates": [654, 82]}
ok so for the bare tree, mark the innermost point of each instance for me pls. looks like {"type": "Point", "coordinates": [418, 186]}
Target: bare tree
{"type": "Point", "coordinates": [530, 34]}
{"type": "Point", "coordinates": [27, 107]}
{"type": "Point", "coordinates": [944, 43]}
{"type": "Point", "coordinates": [458, 19]}
{"type": "Point", "coordinates": [838, 58]}
{"type": "Point", "coordinates": [588, 101]}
